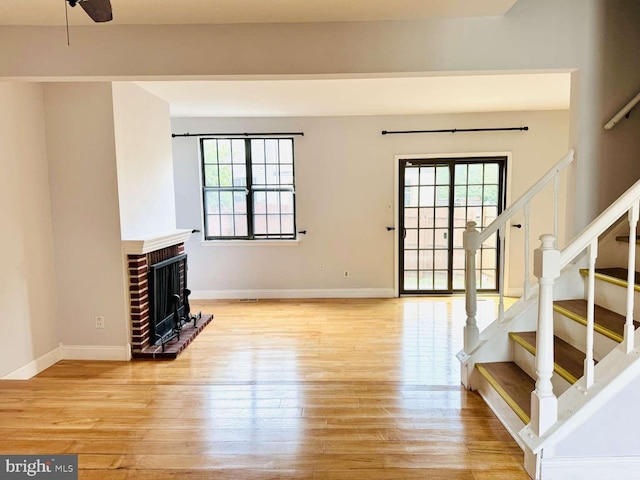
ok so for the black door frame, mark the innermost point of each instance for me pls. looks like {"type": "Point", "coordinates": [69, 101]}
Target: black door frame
{"type": "Point", "coordinates": [502, 158]}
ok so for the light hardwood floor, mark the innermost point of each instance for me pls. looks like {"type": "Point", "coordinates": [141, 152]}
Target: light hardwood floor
{"type": "Point", "coordinates": [311, 389]}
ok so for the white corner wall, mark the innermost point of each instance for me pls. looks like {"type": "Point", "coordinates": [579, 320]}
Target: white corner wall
{"type": "Point", "coordinates": [86, 222]}
{"type": "Point", "coordinates": [345, 198]}
{"type": "Point", "coordinates": [145, 167]}
{"type": "Point", "coordinates": [27, 294]}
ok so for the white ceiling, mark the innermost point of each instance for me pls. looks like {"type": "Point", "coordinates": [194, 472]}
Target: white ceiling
{"type": "Point", "coordinates": [51, 12]}
{"type": "Point", "coordinates": [364, 96]}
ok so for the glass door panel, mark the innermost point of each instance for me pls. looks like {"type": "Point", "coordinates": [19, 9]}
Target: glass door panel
{"type": "Point", "coordinates": [438, 198]}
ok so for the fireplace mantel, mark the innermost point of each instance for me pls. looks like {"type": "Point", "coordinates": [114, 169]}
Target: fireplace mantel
{"type": "Point", "coordinates": [151, 243]}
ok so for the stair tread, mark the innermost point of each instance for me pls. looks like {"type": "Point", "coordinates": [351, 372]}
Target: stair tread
{"type": "Point", "coordinates": [603, 317]}
{"type": "Point", "coordinates": [566, 357]}
{"type": "Point", "coordinates": [625, 238]}
{"type": "Point", "coordinates": [514, 382]}
{"type": "Point", "coordinates": [617, 273]}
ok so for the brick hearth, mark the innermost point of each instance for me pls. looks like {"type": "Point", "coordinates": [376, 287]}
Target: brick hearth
{"type": "Point", "coordinates": [141, 344]}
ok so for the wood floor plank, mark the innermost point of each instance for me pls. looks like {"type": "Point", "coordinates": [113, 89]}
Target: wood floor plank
{"type": "Point", "coordinates": [282, 389]}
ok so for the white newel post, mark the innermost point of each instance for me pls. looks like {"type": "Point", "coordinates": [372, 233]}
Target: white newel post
{"type": "Point", "coordinates": [544, 404]}
{"type": "Point", "coordinates": [470, 243]}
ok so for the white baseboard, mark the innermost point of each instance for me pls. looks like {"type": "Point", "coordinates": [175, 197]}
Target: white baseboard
{"type": "Point", "coordinates": [96, 352]}
{"type": "Point", "coordinates": [590, 468]}
{"type": "Point", "coordinates": [302, 293]}
{"type": "Point", "coordinates": [36, 366]}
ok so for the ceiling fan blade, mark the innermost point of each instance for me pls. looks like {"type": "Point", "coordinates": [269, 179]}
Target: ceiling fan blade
{"type": "Point", "coordinates": [98, 10]}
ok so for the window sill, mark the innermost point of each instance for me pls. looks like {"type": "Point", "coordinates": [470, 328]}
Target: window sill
{"type": "Point", "coordinates": [250, 243]}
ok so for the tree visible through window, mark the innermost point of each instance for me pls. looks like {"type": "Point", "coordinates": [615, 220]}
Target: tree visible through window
{"type": "Point", "coordinates": [248, 188]}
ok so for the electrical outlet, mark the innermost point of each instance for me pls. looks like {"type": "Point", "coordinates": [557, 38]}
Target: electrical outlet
{"type": "Point", "coordinates": [345, 274]}
{"type": "Point", "coordinates": [99, 321]}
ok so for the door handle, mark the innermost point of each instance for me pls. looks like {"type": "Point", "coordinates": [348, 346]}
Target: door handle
{"type": "Point", "coordinates": [516, 225]}
{"type": "Point", "coordinates": [389, 229]}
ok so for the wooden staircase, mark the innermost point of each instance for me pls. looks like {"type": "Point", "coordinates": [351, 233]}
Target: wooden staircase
{"type": "Point", "coordinates": [507, 386]}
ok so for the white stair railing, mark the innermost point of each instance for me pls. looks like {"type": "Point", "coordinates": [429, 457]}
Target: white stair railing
{"type": "Point", "coordinates": [473, 239]}
{"type": "Point", "coordinates": [549, 262]}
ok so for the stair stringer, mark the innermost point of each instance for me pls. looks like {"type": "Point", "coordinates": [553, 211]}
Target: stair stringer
{"type": "Point", "coordinates": [595, 435]}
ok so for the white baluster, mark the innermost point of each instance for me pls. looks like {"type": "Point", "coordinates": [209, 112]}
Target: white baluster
{"type": "Point", "coordinates": [556, 200]}
{"type": "Point", "coordinates": [544, 404]}
{"type": "Point", "coordinates": [631, 278]}
{"type": "Point", "coordinates": [589, 365]}
{"type": "Point", "coordinates": [527, 233]}
{"type": "Point", "coordinates": [470, 243]}
{"type": "Point", "coordinates": [500, 272]}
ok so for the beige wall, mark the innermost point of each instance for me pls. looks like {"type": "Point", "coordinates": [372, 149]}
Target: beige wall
{"type": "Point", "coordinates": [345, 185]}
{"type": "Point", "coordinates": [580, 35]}
{"type": "Point", "coordinates": [86, 222]}
{"type": "Point", "coordinates": [145, 167]}
{"type": "Point", "coordinates": [28, 308]}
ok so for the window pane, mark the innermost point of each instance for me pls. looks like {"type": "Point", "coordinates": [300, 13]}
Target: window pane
{"type": "Point", "coordinates": [211, 176]}
{"type": "Point", "coordinates": [286, 202]}
{"type": "Point", "coordinates": [491, 173]}
{"type": "Point", "coordinates": [474, 195]}
{"type": "Point", "coordinates": [441, 259]}
{"type": "Point", "coordinates": [442, 196]}
{"type": "Point", "coordinates": [224, 151]}
{"type": "Point", "coordinates": [427, 218]}
{"type": "Point", "coordinates": [458, 279]}
{"type": "Point", "coordinates": [286, 150]}
{"type": "Point", "coordinates": [442, 217]}
{"type": "Point", "coordinates": [411, 218]}
{"type": "Point", "coordinates": [425, 238]}
{"type": "Point", "coordinates": [426, 281]}
{"type": "Point", "coordinates": [461, 174]}
{"type": "Point", "coordinates": [286, 174]}
{"type": "Point", "coordinates": [213, 226]}
{"type": "Point", "coordinates": [411, 176]}
{"type": "Point", "coordinates": [239, 203]}
{"type": "Point", "coordinates": [273, 224]}
{"type": "Point", "coordinates": [226, 176]}
{"type": "Point", "coordinates": [257, 151]}
{"type": "Point", "coordinates": [411, 196]}
{"type": "Point", "coordinates": [475, 174]}
{"type": "Point", "coordinates": [459, 258]}
{"type": "Point", "coordinates": [411, 239]}
{"type": "Point", "coordinates": [260, 202]}
{"type": "Point", "coordinates": [238, 153]}
{"type": "Point", "coordinates": [411, 280]}
{"type": "Point", "coordinates": [427, 175]}
{"type": "Point", "coordinates": [271, 151]}
{"type": "Point", "coordinates": [241, 226]}
{"type": "Point", "coordinates": [491, 194]}
{"type": "Point", "coordinates": [411, 259]}
{"type": "Point", "coordinates": [239, 175]}
{"type": "Point", "coordinates": [440, 280]}
{"type": "Point", "coordinates": [226, 225]}
{"type": "Point", "coordinates": [426, 260]}
{"type": "Point", "coordinates": [258, 177]}
{"type": "Point", "coordinates": [288, 224]}
{"type": "Point", "coordinates": [212, 202]}
{"type": "Point", "coordinates": [226, 202]}
{"type": "Point", "coordinates": [273, 175]}
{"type": "Point", "coordinates": [442, 175]}
{"type": "Point", "coordinates": [273, 203]}
{"type": "Point", "coordinates": [260, 224]}
{"type": "Point", "coordinates": [441, 238]}
{"type": "Point", "coordinates": [427, 195]}
{"type": "Point", "coordinates": [210, 150]}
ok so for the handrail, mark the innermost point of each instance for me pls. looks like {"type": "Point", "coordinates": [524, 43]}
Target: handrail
{"type": "Point", "coordinates": [600, 224]}
{"type": "Point", "coordinates": [504, 217]}
{"type": "Point", "coordinates": [624, 111]}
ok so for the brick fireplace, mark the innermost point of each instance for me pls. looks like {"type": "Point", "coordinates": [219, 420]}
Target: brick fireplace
{"type": "Point", "coordinates": [142, 256]}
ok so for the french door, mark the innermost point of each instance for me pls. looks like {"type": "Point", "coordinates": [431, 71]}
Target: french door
{"type": "Point", "coordinates": [437, 199]}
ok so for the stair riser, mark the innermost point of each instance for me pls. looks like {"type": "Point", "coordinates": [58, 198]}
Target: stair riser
{"type": "Point", "coordinates": [614, 297]}
{"type": "Point", "coordinates": [527, 362]}
{"type": "Point", "coordinates": [575, 334]}
{"type": "Point", "coordinates": [502, 410]}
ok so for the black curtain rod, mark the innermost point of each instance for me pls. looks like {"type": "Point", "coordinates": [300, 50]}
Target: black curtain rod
{"type": "Point", "coordinates": [455, 130]}
{"type": "Point", "coordinates": [271, 134]}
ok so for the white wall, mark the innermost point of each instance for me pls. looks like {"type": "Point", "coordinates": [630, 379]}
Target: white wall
{"type": "Point", "coordinates": [145, 167]}
{"type": "Point", "coordinates": [28, 308]}
{"type": "Point", "coordinates": [534, 34]}
{"type": "Point", "coordinates": [344, 184]}
{"type": "Point", "coordinates": [86, 222]}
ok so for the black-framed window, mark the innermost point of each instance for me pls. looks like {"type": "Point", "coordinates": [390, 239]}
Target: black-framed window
{"type": "Point", "coordinates": [248, 188]}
